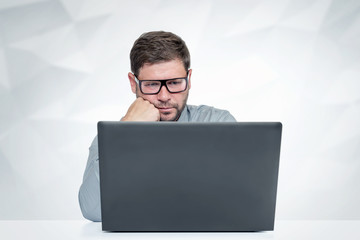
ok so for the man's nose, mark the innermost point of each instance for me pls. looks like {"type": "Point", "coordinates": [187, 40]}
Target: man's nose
{"type": "Point", "coordinates": [164, 94]}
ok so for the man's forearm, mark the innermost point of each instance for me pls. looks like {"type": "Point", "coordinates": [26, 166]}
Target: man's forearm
{"type": "Point", "coordinates": [89, 193]}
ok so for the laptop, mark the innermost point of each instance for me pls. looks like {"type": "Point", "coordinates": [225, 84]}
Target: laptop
{"type": "Point", "coordinates": [176, 177]}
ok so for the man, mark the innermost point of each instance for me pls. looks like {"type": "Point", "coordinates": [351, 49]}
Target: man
{"type": "Point", "coordinates": [161, 80]}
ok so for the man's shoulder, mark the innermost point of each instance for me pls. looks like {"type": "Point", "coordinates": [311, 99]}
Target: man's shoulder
{"type": "Point", "coordinates": [204, 113]}
{"type": "Point", "coordinates": [205, 109]}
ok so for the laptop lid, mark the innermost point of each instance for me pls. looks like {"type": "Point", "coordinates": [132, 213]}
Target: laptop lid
{"type": "Point", "coordinates": [169, 176]}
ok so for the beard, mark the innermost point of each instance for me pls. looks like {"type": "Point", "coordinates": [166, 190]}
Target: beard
{"type": "Point", "coordinates": [166, 116]}
{"type": "Point", "coordinates": [178, 110]}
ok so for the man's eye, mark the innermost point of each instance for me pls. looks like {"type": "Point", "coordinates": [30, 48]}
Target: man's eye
{"type": "Point", "coordinates": [177, 82]}
{"type": "Point", "coordinates": [151, 84]}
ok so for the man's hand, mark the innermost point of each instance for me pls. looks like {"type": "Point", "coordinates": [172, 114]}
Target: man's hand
{"type": "Point", "coordinates": [142, 110]}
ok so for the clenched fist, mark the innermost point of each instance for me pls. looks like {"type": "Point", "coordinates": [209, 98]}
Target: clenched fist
{"type": "Point", "coordinates": [142, 110]}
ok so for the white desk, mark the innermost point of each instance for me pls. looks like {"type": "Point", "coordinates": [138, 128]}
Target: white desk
{"type": "Point", "coordinates": [284, 230]}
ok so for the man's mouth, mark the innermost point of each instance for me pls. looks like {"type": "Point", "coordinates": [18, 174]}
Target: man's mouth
{"type": "Point", "coordinates": [163, 109]}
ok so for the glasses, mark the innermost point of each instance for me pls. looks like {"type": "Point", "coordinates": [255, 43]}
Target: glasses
{"type": "Point", "coordinates": [173, 85]}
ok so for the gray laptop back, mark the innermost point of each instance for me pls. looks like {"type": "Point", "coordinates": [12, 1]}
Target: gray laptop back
{"type": "Point", "coordinates": [171, 176]}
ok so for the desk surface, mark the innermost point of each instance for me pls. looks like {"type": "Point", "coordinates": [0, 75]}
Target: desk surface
{"type": "Point", "coordinates": [324, 230]}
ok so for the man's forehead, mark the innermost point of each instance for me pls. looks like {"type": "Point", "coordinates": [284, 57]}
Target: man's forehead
{"type": "Point", "coordinates": [177, 61]}
{"type": "Point", "coordinates": [162, 70]}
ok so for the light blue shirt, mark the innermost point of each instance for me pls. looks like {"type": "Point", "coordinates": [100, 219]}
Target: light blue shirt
{"type": "Point", "coordinates": [89, 193]}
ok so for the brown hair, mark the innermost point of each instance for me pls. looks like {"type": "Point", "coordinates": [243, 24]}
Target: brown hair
{"type": "Point", "coordinates": [158, 46]}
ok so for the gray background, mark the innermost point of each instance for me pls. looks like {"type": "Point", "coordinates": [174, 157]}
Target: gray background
{"type": "Point", "coordinates": [64, 65]}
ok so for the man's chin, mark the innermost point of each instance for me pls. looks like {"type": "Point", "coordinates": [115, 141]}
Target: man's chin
{"type": "Point", "coordinates": [169, 116]}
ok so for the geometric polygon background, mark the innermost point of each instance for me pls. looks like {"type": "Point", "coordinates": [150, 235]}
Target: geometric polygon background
{"type": "Point", "coordinates": [64, 65]}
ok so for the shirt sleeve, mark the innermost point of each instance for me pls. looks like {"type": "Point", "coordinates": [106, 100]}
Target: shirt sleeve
{"type": "Point", "coordinates": [89, 193]}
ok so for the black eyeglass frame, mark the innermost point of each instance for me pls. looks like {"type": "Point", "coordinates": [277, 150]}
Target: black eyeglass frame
{"type": "Point", "coordinates": [163, 83]}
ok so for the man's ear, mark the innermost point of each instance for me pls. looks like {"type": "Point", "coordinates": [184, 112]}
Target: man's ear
{"type": "Point", "coordinates": [132, 82]}
{"type": "Point", "coordinates": [189, 78]}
